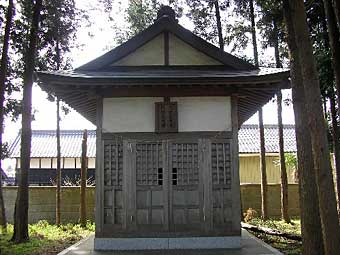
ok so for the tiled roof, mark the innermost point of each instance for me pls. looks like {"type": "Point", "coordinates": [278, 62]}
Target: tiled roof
{"type": "Point", "coordinates": [44, 142]}
{"type": "Point", "coordinates": [249, 138]}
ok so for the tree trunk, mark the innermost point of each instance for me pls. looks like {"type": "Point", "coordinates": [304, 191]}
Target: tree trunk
{"type": "Point", "coordinates": [264, 206]}
{"type": "Point", "coordinates": [253, 33]}
{"type": "Point", "coordinates": [336, 5]}
{"type": "Point", "coordinates": [336, 145]}
{"type": "Point", "coordinates": [317, 127]}
{"type": "Point", "coordinates": [219, 25]}
{"type": "Point", "coordinates": [283, 171]}
{"type": "Point", "coordinates": [3, 74]}
{"type": "Point", "coordinates": [83, 176]}
{"type": "Point", "coordinates": [261, 128]}
{"type": "Point", "coordinates": [309, 201]}
{"type": "Point", "coordinates": [284, 181]}
{"type": "Point", "coordinates": [58, 179]}
{"type": "Point", "coordinates": [276, 45]}
{"type": "Point", "coordinates": [21, 206]}
{"type": "Point", "coordinates": [334, 41]}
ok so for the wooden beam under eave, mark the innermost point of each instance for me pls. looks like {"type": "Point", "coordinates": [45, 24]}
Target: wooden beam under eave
{"type": "Point", "coordinates": [167, 91]}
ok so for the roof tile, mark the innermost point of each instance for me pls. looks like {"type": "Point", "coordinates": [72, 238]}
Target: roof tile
{"type": "Point", "coordinates": [44, 142]}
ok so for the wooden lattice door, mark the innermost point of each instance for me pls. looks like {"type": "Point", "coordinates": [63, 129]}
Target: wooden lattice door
{"type": "Point", "coordinates": [151, 187]}
{"type": "Point", "coordinates": [221, 186]}
{"type": "Point", "coordinates": [177, 187]}
{"type": "Point", "coordinates": [185, 192]}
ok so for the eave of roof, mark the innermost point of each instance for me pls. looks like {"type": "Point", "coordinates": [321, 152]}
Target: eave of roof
{"type": "Point", "coordinates": [167, 73]}
{"type": "Point", "coordinates": [79, 89]}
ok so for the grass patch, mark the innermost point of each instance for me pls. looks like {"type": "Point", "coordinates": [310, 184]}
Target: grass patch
{"type": "Point", "coordinates": [45, 239]}
{"type": "Point", "coordinates": [286, 246]}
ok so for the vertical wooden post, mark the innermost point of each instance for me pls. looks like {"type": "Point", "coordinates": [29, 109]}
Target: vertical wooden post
{"type": "Point", "coordinates": [166, 183]}
{"type": "Point", "coordinates": [235, 177]}
{"type": "Point", "coordinates": [83, 178]}
{"type": "Point", "coordinates": [205, 169]}
{"type": "Point", "coordinates": [99, 213]}
{"type": "Point", "coordinates": [129, 185]}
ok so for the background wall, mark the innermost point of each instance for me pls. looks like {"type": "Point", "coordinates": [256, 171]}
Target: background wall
{"type": "Point", "coordinates": [251, 198]}
{"type": "Point", "coordinates": [42, 202]}
{"type": "Point", "coordinates": [250, 169]}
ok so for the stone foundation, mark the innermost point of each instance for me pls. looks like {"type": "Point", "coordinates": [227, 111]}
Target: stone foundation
{"type": "Point", "coordinates": [189, 243]}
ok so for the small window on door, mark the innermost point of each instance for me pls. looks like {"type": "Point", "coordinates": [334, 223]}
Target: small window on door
{"type": "Point", "coordinates": [166, 117]}
{"type": "Point", "coordinates": [160, 176]}
{"type": "Point", "coordinates": [174, 176]}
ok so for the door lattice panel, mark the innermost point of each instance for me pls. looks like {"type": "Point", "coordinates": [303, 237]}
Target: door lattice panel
{"type": "Point", "coordinates": [113, 176]}
{"type": "Point", "coordinates": [185, 164]}
{"type": "Point", "coordinates": [113, 164]}
{"type": "Point", "coordinates": [220, 163]}
{"type": "Point", "coordinates": [149, 165]}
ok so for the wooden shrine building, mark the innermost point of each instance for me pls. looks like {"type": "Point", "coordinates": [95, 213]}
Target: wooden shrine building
{"type": "Point", "coordinates": [168, 106]}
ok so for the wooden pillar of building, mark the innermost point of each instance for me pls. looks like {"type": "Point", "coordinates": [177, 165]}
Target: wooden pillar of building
{"type": "Point", "coordinates": [99, 213]}
{"type": "Point", "coordinates": [235, 178]}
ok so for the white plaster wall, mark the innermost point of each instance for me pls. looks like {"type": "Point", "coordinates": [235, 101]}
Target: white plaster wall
{"type": "Point", "coordinates": [46, 163]}
{"type": "Point", "coordinates": [151, 53]}
{"type": "Point", "coordinates": [181, 53]}
{"type": "Point", "coordinates": [203, 114]}
{"type": "Point", "coordinates": [34, 163]}
{"type": "Point", "coordinates": [194, 114]}
{"type": "Point", "coordinates": [133, 114]}
{"type": "Point", "coordinates": [68, 163]}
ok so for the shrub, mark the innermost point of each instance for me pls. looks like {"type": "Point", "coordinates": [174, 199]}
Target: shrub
{"type": "Point", "coordinates": [250, 214]}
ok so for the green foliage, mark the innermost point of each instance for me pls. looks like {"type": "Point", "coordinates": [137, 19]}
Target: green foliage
{"type": "Point", "coordinates": [60, 20]}
{"type": "Point", "coordinates": [285, 245]}
{"type": "Point", "coordinates": [140, 15]}
{"type": "Point", "coordinates": [237, 35]}
{"type": "Point", "coordinates": [271, 12]}
{"type": "Point", "coordinates": [290, 159]}
{"type": "Point", "coordinates": [291, 163]}
{"type": "Point", "coordinates": [45, 238]}
{"type": "Point", "coordinates": [203, 15]}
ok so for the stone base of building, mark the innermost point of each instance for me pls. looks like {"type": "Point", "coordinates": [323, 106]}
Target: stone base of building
{"type": "Point", "coordinates": [121, 244]}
